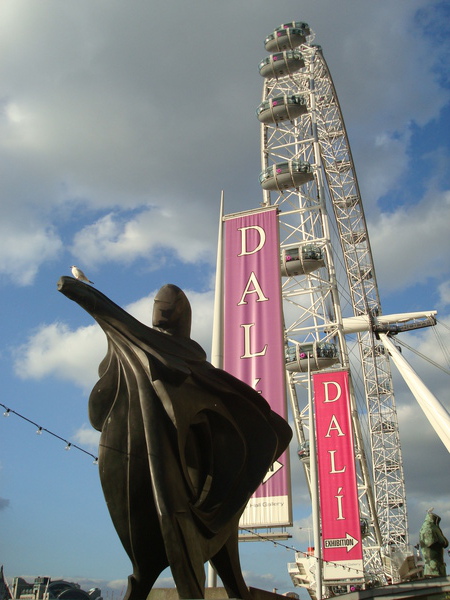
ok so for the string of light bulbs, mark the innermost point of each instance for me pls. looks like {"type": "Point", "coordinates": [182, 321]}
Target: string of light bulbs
{"type": "Point", "coordinates": [358, 572]}
{"type": "Point", "coordinates": [69, 445]}
{"type": "Point", "coordinates": [40, 430]}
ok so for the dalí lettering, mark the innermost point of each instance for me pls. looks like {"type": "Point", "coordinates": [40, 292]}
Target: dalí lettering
{"type": "Point", "coordinates": [339, 497]}
{"type": "Point", "coordinates": [334, 426]}
{"type": "Point", "coordinates": [259, 245]}
{"type": "Point", "coordinates": [253, 337]}
{"type": "Point", "coordinates": [248, 353]}
{"type": "Point", "coordinates": [256, 289]}
{"type": "Point", "coordinates": [338, 390]}
{"type": "Point", "coordinates": [336, 465]}
{"type": "Point", "coordinates": [332, 462]}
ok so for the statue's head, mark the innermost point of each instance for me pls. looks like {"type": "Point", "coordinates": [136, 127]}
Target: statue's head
{"type": "Point", "coordinates": [172, 311]}
{"type": "Point", "coordinates": [431, 519]}
{"type": "Point", "coordinates": [435, 518]}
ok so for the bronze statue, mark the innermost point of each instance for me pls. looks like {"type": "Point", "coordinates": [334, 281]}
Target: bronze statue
{"type": "Point", "coordinates": [183, 444]}
{"type": "Point", "coordinates": [432, 544]}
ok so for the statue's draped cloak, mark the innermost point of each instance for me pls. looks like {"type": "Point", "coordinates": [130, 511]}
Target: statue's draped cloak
{"type": "Point", "coordinates": [180, 439]}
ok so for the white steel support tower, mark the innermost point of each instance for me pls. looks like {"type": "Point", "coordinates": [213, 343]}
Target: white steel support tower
{"type": "Point", "coordinates": [329, 276]}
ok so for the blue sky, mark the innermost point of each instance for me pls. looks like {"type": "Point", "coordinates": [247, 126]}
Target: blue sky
{"type": "Point", "coordinates": [120, 124]}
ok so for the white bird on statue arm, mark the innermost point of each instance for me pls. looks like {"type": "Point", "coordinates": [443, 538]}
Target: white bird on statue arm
{"type": "Point", "coordinates": [78, 274]}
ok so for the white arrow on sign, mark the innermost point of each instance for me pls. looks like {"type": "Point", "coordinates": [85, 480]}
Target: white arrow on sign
{"type": "Point", "coordinates": [348, 542]}
{"type": "Point", "coordinates": [273, 469]}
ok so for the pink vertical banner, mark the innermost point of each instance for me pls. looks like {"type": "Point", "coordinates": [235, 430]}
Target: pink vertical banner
{"type": "Point", "coordinates": [338, 492]}
{"type": "Point", "coordinates": [253, 340]}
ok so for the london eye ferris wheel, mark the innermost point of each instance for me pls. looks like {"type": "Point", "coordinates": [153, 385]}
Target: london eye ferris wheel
{"type": "Point", "coordinates": [332, 309]}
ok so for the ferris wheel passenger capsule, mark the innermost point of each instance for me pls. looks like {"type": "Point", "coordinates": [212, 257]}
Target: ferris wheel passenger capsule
{"type": "Point", "coordinates": [282, 108]}
{"type": "Point", "coordinates": [286, 37]}
{"type": "Point", "coordinates": [312, 356]}
{"type": "Point", "coordinates": [301, 260]}
{"type": "Point", "coordinates": [285, 175]}
{"type": "Point", "coordinates": [296, 24]}
{"type": "Point", "coordinates": [281, 64]}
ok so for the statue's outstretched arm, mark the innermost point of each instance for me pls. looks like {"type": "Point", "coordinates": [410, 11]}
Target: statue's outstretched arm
{"type": "Point", "coordinates": [100, 307]}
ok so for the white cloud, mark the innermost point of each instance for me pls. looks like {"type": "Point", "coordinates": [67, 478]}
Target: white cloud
{"type": "Point", "coordinates": [55, 350]}
{"type": "Point", "coordinates": [74, 355]}
{"type": "Point", "coordinates": [444, 292]}
{"type": "Point", "coordinates": [87, 436]}
{"type": "Point", "coordinates": [425, 456]}
{"type": "Point", "coordinates": [97, 120]}
{"type": "Point", "coordinates": [382, 160]}
{"type": "Point", "coordinates": [377, 84]}
{"type": "Point", "coordinates": [186, 231]}
{"type": "Point", "coordinates": [24, 248]}
{"type": "Point", "coordinates": [411, 244]}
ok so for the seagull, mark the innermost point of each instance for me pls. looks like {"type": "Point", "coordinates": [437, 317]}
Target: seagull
{"type": "Point", "coordinates": [78, 274]}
